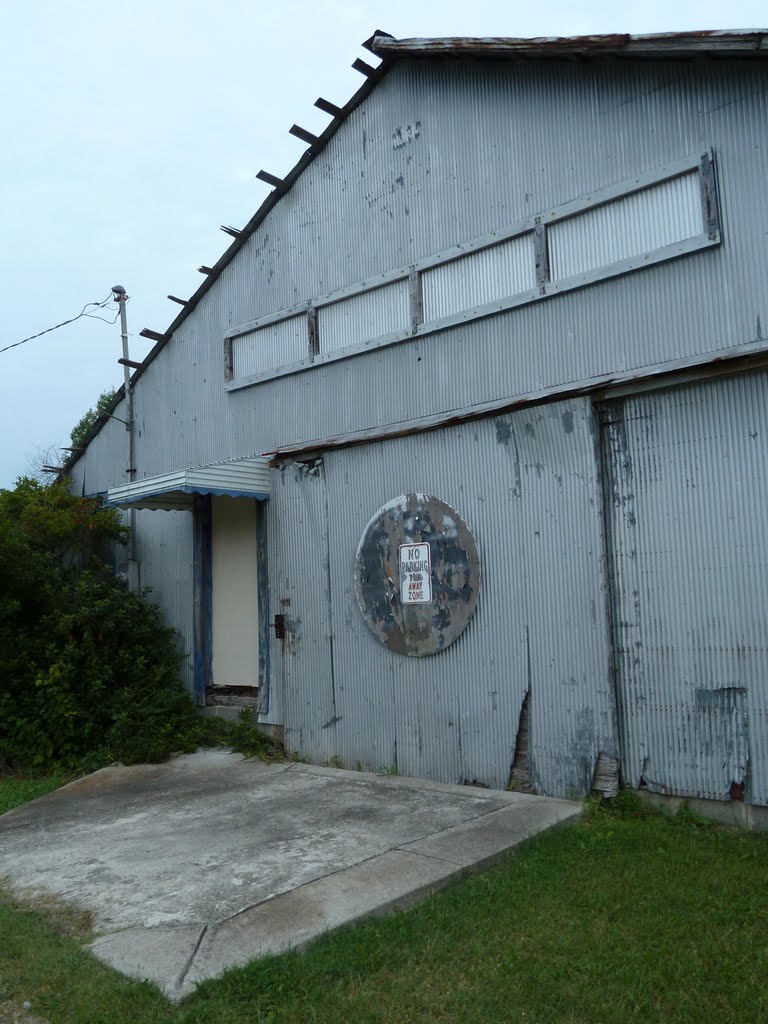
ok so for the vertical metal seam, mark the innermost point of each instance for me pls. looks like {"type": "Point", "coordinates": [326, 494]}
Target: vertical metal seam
{"type": "Point", "coordinates": [708, 184]}
{"type": "Point", "coordinates": [228, 363]}
{"type": "Point", "coordinates": [605, 526]}
{"type": "Point", "coordinates": [329, 586]}
{"type": "Point", "coordinates": [531, 704]}
{"type": "Point", "coordinates": [262, 577]}
{"type": "Point", "coordinates": [313, 335]}
{"type": "Point", "coordinates": [541, 255]}
{"type": "Point", "coordinates": [416, 299]}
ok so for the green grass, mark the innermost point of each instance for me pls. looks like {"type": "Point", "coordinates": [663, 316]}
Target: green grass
{"type": "Point", "coordinates": [16, 790]}
{"type": "Point", "coordinates": [623, 917]}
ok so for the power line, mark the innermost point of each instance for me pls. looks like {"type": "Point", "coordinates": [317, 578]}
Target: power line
{"type": "Point", "coordinates": [103, 320]}
{"type": "Point", "coordinates": [64, 323]}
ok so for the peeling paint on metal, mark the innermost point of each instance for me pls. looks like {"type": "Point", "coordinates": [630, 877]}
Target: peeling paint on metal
{"type": "Point", "coordinates": [455, 716]}
{"type": "Point", "coordinates": [689, 576]}
{"type": "Point", "coordinates": [417, 630]}
{"type": "Point", "coordinates": [530, 489]}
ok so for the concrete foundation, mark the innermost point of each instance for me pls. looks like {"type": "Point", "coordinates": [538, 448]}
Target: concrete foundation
{"type": "Point", "coordinates": [212, 860]}
{"type": "Point", "coordinates": [726, 812]}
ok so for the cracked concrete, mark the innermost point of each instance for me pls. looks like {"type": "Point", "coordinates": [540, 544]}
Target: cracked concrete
{"type": "Point", "coordinates": [211, 860]}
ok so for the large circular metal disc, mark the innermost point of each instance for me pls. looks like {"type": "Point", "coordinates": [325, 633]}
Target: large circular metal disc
{"type": "Point", "coordinates": [417, 575]}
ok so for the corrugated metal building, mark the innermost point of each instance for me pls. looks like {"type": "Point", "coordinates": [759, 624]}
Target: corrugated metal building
{"type": "Point", "coordinates": [523, 280]}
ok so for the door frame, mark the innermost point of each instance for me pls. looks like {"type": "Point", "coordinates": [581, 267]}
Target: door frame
{"type": "Point", "coordinates": [202, 600]}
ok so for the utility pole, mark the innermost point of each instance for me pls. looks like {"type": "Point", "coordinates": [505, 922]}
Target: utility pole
{"type": "Point", "coordinates": [133, 566]}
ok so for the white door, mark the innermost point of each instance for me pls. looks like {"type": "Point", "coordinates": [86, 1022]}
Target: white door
{"type": "Point", "coordinates": [235, 593]}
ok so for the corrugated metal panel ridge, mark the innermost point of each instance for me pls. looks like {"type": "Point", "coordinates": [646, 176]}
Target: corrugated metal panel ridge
{"type": "Point", "coordinates": [645, 221]}
{"type": "Point", "coordinates": [368, 315]}
{"type": "Point", "coordinates": [384, 46]}
{"type": "Point", "coordinates": [479, 277]}
{"type": "Point", "coordinates": [231, 251]}
{"type": "Point", "coordinates": [463, 174]}
{"type": "Point", "coordinates": [251, 473]}
{"type": "Point", "coordinates": [635, 224]}
{"type": "Point", "coordinates": [164, 550]}
{"type": "Point", "coordinates": [301, 691]}
{"type": "Point", "coordinates": [689, 473]}
{"type": "Point", "coordinates": [526, 490]}
{"type": "Point", "coordinates": [283, 342]}
{"type": "Point", "coordinates": [699, 306]}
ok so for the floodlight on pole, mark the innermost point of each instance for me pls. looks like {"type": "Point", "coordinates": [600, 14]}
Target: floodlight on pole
{"type": "Point", "coordinates": [121, 298]}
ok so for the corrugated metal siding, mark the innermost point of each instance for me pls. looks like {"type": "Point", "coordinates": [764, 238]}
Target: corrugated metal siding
{"type": "Point", "coordinates": [239, 478]}
{"type": "Point", "coordinates": [688, 474]}
{"type": "Point", "coordinates": [362, 317]}
{"type": "Point", "coordinates": [432, 158]}
{"type": "Point", "coordinates": [77, 477]}
{"type": "Point", "coordinates": [106, 457]}
{"type": "Point", "coordinates": [301, 689]}
{"type": "Point", "coordinates": [455, 188]}
{"type": "Point", "coordinates": [648, 220]}
{"type": "Point", "coordinates": [276, 344]}
{"type": "Point", "coordinates": [481, 277]}
{"type": "Point", "coordinates": [463, 175]}
{"type": "Point", "coordinates": [527, 488]}
{"type": "Point", "coordinates": [164, 551]}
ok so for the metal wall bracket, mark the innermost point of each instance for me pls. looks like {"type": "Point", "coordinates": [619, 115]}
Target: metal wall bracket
{"type": "Point", "coordinates": [541, 253]}
{"type": "Point", "coordinates": [709, 205]}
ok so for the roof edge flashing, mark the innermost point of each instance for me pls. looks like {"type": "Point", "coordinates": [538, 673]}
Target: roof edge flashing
{"type": "Point", "coordinates": [726, 42]}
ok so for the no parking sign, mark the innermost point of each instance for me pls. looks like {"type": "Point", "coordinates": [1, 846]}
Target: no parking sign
{"type": "Point", "coordinates": [415, 574]}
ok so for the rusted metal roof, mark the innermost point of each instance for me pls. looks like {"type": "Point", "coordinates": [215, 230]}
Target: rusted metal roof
{"type": "Point", "coordinates": [676, 45]}
{"type": "Point", "coordinates": [742, 43]}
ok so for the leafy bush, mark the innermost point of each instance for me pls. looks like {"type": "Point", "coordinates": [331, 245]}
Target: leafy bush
{"type": "Point", "coordinates": [88, 673]}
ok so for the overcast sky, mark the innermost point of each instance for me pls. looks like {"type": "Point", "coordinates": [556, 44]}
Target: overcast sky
{"type": "Point", "coordinates": [129, 133]}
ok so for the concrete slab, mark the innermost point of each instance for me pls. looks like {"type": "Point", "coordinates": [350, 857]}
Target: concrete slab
{"type": "Point", "coordinates": [211, 860]}
{"type": "Point", "coordinates": [163, 955]}
{"type": "Point", "coordinates": [391, 881]}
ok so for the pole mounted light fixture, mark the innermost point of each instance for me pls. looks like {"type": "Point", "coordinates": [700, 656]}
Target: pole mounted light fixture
{"type": "Point", "coordinates": [121, 297]}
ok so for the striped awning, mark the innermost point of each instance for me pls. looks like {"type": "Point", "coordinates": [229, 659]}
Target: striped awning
{"type": "Point", "coordinates": [240, 478]}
